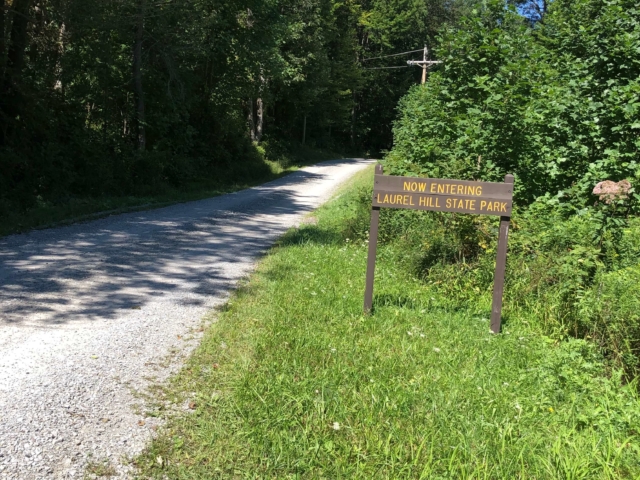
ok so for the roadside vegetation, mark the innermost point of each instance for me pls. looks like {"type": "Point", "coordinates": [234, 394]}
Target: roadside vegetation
{"type": "Point", "coordinates": [264, 166]}
{"type": "Point", "coordinates": [293, 381]}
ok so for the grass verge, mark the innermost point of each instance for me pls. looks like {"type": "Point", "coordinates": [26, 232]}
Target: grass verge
{"type": "Point", "coordinates": [293, 381]}
{"type": "Point", "coordinates": [78, 209]}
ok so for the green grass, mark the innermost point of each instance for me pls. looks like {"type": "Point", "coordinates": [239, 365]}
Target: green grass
{"type": "Point", "coordinates": [293, 381]}
{"type": "Point", "coordinates": [77, 209]}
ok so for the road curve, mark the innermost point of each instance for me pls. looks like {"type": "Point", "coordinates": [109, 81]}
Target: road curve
{"type": "Point", "coordinates": [91, 313]}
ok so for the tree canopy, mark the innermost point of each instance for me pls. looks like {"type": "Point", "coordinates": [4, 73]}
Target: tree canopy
{"type": "Point", "coordinates": [119, 96]}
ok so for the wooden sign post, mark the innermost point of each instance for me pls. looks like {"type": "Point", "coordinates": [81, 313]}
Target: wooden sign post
{"type": "Point", "coordinates": [443, 195]}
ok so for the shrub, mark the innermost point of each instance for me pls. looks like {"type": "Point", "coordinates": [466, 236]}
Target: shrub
{"type": "Point", "coordinates": [610, 314]}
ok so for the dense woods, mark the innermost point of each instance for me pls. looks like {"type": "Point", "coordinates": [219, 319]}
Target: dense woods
{"type": "Point", "coordinates": [127, 97]}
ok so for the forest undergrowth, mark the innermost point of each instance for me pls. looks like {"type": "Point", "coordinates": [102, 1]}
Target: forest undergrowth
{"type": "Point", "coordinates": [156, 187]}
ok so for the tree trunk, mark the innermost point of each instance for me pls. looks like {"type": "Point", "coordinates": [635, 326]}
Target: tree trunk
{"type": "Point", "coordinates": [3, 16]}
{"type": "Point", "coordinates": [304, 130]}
{"type": "Point", "coordinates": [10, 98]}
{"type": "Point", "coordinates": [250, 122]}
{"type": "Point", "coordinates": [137, 76]}
{"type": "Point", "coordinates": [57, 78]}
{"type": "Point", "coordinates": [260, 119]}
{"type": "Point", "coordinates": [353, 122]}
{"type": "Point", "coordinates": [18, 38]}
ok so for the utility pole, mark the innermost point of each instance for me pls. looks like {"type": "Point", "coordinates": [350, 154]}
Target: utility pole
{"type": "Point", "coordinates": [424, 63]}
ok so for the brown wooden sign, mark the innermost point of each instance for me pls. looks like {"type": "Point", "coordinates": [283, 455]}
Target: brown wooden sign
{"type": "Point", "coordinates": [443, 195]}
{"type": "Point", "coordinates": [480, 198]}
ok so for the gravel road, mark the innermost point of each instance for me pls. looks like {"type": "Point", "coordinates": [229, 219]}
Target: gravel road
{"type": "Point", "coordinates": [92, 313]}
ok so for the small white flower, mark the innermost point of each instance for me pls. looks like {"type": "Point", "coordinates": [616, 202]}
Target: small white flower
{"type": "Point", "coordinates": [333, 350]}
{"type": "Point", "coordinates": [313, 293]}
{"type": "Point", "coordinates": [409, 333]}
{"type": "Point", "coordinates": [436, 349]}
{"type": "Point", "coordinates": [422, 335]}
{"type": "Point", "coordinates": [336, 426]}
{"type": "Point", "coordinates": [506, 384]}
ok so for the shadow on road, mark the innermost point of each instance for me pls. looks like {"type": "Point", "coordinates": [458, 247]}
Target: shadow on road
{"type": "Point", "coordinates": [185, 253]}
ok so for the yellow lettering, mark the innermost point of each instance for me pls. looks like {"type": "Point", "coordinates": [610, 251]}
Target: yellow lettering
{"type": "Point", "coordinates": [460, 189]}
{"type": "Point", "coordinates": [466, 203]}
{"type": "Point", "coordinates": [433, 187]}
{"type": "Point", "coordinates": [437, 202]}
{"type": "Point", "coordinates": [472, 205]}
{"type": "Point", "coordinates": [422, 186]}
{"type": "Point", "coordinates": [411, 200]}
{"type": "Point", "coordinates": [378, 196]}
{"type": "Point", "coordinates": [399, 199]}
{"type": "Point", "coordinates": [448, 203]}
{"type": "Point", "coordinates": [405, 200]}
{"type": "Point", "coordinates": [407, 186]}
{"type": "Point", "coordinates": [496, 206]}
{"type": "Point", "coordinates": [490, 207]}
{"type": "Point", "coordinates": [483, 204]}
{"type": "Point", "coordinates": [440, 188]}
{"type": "Point", "coordinates": [503, 207]}
{"type": "Point", "coordinates": [386, 199]}
{"type": "Point", "coordinates": [479, 190]}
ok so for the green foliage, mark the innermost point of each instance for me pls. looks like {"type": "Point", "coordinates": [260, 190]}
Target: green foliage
{"type": "Point", "coordinates": [134, 98]}
{"type": "Point", "coordinates": [610, 314]}
{"type": "Point", "coordinates": [556, 105]}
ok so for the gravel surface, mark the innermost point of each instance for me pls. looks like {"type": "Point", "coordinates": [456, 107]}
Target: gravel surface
{"type": "Point", "coordinates": [92, 313]}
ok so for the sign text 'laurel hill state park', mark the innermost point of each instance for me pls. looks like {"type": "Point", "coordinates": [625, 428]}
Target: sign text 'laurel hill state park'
{"type": "Point", "coordinates": [480, 198]}
{"type": "Point", "coordinates": [443, 195]}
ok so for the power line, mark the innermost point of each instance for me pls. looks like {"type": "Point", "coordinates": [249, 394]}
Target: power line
{"type": "Point", "coordinates": [392, 55]}
{"type": "Point", "coordinates": [383, 68]}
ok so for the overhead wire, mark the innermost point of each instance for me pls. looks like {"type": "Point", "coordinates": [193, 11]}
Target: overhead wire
{"type": "Point", "coordinates": [392, 55]}
{"type": "Point", "coordinates": [382, 68]}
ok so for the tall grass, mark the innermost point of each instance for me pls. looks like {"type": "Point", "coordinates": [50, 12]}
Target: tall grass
{"type": "Point", "coordinates": [293, 381]}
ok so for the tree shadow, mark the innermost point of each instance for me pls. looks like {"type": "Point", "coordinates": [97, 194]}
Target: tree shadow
{"type": "Point", "coordinates": [183, 254]}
